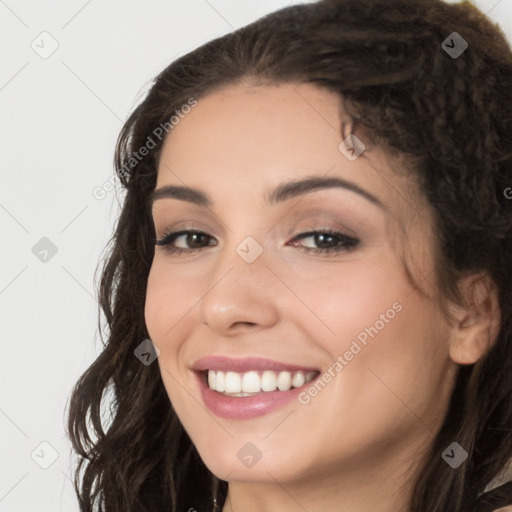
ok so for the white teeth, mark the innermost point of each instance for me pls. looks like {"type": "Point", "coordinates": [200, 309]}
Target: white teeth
{"type": "Point", "coordinates": [298, 380]}
{"type": "Point", "coordinates": [284, 381]}
{"type": "Point", "coordinates": [252, 382]}
{"type": "Point", "coordinates": [211, 380]}
{"type": "Point", "coordinates": [233, 383]}
{"type": "Point", "coordinates": [220, 382]}
{"type": "Point", "coordinates": [268, 381]}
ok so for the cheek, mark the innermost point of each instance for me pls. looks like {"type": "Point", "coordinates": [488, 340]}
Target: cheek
{"type": "Point", "coordinates": [170, 314]}
{"type": "Point", "coordinates": [349, 302]}
{"type": "Point", "coordinates": [166, 303]}
{"type": "Point", "coordinates": [167, 300]}
{"type": "Point", "coordinates": [391, 342]}
{"type": "Point", "coordinates": [401, 377]}
{"type": "Point", "coordinates": [154, 309]}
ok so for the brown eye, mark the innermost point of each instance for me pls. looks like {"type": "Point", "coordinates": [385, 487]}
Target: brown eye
{"type": "Point", "coordinates": [192, 241]}
{"type": "Point", "coordinates": [328, 242]}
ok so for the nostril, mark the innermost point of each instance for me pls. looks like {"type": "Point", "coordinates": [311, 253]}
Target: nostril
{"type": "Point", "coordinates": [250, 324]}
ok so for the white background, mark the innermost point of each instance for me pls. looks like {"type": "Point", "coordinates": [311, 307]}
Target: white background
{"type": "Point", "coordinates": [59, 120]}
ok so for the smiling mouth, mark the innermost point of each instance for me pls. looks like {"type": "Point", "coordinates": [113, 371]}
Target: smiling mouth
{"type": "Point", "coordinates": [256, 382]}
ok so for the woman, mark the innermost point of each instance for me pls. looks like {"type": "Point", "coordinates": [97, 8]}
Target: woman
{"type": "Point", "coordinates": [308, 291]}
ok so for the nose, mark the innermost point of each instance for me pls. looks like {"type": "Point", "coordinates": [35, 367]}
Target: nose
{"type": "Point", "coordinates": [240, 295]}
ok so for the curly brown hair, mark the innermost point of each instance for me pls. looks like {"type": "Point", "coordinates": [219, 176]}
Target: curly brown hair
{"type": "Point", "coordinates": [450, 117]}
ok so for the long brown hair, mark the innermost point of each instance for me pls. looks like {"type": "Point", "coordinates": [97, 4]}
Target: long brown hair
{"type": "Point", "coordinates": [450, 116]}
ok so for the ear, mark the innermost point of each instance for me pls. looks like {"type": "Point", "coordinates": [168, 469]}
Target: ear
{"type": "Point", "coordinates": [477, 322]}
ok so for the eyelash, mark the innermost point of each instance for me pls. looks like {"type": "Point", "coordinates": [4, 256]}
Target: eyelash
{"type": "Point", "coordinates": [347, 243]}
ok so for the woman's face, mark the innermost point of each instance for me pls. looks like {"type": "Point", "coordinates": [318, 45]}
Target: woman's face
{"type": "Point", "coordinates": [261, 301]}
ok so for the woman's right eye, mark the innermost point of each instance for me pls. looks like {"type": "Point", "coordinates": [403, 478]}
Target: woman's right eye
{"type": "Point", "coordinates": [192, 239]}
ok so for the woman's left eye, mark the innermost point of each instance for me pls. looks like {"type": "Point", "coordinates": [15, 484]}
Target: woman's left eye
{"type": "Point", "coordinates": [328, 242]}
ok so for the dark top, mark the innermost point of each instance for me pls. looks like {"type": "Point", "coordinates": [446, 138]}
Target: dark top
{"type": "Point", "coordinates": [491, 501]}
{"type": "Point", "coordinates": [495, 499]}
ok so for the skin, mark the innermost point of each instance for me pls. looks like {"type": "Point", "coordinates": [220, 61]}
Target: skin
{"type": "Point", "coordinates": [357, 444]}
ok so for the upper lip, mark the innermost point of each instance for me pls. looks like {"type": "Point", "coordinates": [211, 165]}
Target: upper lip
{"type": "Point", "coordinates": [246, 364]}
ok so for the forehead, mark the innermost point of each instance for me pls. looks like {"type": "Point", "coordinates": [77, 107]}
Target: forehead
{"type": "Point", "coordinates": [249, 139]}
{"type": "Point", "coordinates": [248, 121]}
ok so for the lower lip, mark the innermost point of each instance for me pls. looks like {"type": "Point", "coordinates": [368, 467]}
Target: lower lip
{"type": "Point", "coordinates": [247, 407]}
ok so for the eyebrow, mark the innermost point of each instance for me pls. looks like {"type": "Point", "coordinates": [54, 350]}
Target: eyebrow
{"type": "Point", "coordinates": [282, 192]}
